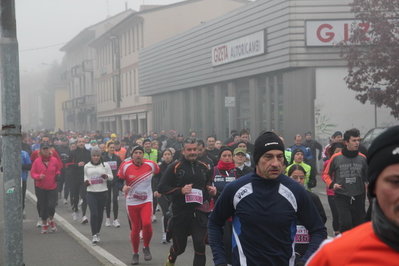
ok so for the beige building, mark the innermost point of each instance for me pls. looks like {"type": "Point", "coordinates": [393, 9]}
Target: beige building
{"type": "Point", "coordinates": [80, 110]}
{"type": "Point", "coordinates": [61, 94]}
{"type": "Point", "coordinates": [119, 105]}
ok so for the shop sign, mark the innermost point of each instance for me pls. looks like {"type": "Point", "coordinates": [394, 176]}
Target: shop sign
{"type": "Point", "coordinates": [331, 32]}
{"type": "Point", "coordinates": [244, 47]}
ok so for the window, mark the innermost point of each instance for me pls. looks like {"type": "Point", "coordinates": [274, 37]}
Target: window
{"type": "Point", "coordinates": [129, 44]}
{"type": "Point", "coordinates": [138, 36]}
{"type": "Point", "coordinates": [131, 82]}
{"type": "Point", "coordinates": [133, 39]}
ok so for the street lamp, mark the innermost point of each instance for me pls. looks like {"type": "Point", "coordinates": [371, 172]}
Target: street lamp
{"type": "Point", "coordinates": [373, 101]}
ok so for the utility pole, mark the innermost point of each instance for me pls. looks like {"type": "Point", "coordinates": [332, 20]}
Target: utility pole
{"type": "Point", "coordinates": [11, 135]}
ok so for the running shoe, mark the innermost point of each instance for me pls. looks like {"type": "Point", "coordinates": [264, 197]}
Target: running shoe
{"type": "Point", "coordinates": [108, 222]}
{"type": "Point", "coordinates": [75, 216]}
{"type": "Point", "coordinates": [85, 220]}
{"type": "Point", "coordinates": [154, 218]}
{"type": "Point", "coordinates": [164, 238]}
{"type": "Point", "coordinates": [52, 226]}
{"type": "Point", "coordinates": [147, 253]}
{"type": "Point", "coordinates": [95, 239]}
{"type": "Point", "coordinates": [39, 223]}
{"type": "Point", "coordinates": [135, 259]}
{"type": "Point", "coordinates": [116, 223]}
{"type": "Point", "coordinates": [98, 238]}
{"type": "Point", "coordinates": [44, 229]}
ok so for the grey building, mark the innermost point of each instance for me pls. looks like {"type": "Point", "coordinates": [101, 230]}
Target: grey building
{"type": "Point", "coordinates": [273, 80]}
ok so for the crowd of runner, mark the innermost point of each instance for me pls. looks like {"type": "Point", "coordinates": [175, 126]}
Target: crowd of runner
{"type": "Point", "coordinates": [189, 178]}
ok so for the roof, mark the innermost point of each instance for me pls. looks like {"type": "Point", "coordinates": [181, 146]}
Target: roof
{"type": "Point", "coordinates": [89, 32]}
{"type": "Point", "coordinates": [145, 7]}
{"type": "Point", "coordinates": [143, 10]}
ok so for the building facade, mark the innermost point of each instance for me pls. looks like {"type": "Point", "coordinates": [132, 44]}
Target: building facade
{"type": "Point", "coordinates": [80, 110]}
{"type": "Point", "coordinates": [270, 65]}
{"type": "Point", "coordinates": [120, 107]}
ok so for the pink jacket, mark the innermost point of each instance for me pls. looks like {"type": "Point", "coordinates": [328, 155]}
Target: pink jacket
{"type": "Point", "coordinates": [330, 191]}
{"type": "Point", "coordinates": [50, 171]}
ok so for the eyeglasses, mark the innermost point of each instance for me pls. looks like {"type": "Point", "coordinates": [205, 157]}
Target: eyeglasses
{"type": "Point", "coordinates": [296, 177]}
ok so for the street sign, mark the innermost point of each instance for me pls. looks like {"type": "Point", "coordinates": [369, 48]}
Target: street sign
{"type": "Point", "coordinates": [230, 101]}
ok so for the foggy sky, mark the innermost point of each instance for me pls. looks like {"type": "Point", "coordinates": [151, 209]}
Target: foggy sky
{"type": "Point", "coordinates": [44, 23]}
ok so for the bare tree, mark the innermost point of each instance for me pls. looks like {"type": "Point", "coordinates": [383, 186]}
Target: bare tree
{"type": "Point", "coordinates": [372, 53]}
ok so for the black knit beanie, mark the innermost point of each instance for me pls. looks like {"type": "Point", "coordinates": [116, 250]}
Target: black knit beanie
{"type": "Point", "coordinates": [137, 148]}
{"type": "Point", "coordinates": [384, 151]}
{"type": "Point", "coordinates": [225, 148]}
{"type": "Point", "coordinates": [266, 142]}
{"type": "Point", "coordinates": [295, 151]}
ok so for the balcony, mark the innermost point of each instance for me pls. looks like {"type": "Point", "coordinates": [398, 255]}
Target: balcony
{"type": "Point", "coordinates": [67, 106]}
{"type": "Point", "coordinates": [86, 101]}
{"type": "Point", "coordinates": [77, 71]}
{"type": "Point", "coordinates": [87, 65]}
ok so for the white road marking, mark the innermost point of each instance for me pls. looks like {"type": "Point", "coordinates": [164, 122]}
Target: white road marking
{"type": "Point", "coordinates": [109, 259]}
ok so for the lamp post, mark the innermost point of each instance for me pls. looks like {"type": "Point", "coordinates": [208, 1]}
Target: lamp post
{"type": "Point", "coordinates": [11, 135]}
{"type": "Point", "coordinates": [373, 101]}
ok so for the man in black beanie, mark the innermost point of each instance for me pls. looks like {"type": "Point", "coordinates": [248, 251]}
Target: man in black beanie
{"type": "Point", "coordinates": [375, 242]}
{"type": "Point", "coordinates": [265, 206]}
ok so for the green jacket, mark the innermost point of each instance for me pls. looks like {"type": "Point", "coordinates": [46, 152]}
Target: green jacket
{"type": "Point", "coordinates": [306, 167]}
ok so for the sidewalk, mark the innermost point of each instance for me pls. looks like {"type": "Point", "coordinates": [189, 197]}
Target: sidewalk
{"type": "Point", "coordinates": [58, 248]}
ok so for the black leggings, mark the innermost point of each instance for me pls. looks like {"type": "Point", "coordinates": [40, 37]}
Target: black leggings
{"type": "Point", "coordinates": [154, 187]}
{"type": "Point", "coordinates": [96, 202]}
{"type": "Point", "coordinates": [334, 212]}
{"type": "Point", "coordinates": [47, 200]}
{"type": "Point", "coordinates": [78, 188]}
{"type": "Point", "coordinates": [164, 202]}
{"type": "Point", "coordinates": [195, 227]}
{"type": "Point", "coordinates": [115, 193]}
{"type": "Point", "coordinates": [23, 193]}
{"type": "Point", "coordinates": [62, 183]}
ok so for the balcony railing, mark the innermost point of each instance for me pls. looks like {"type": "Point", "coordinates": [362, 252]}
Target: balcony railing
{"type": "Point", "coordinates": [85, 102]}
{"type": "Point", "coordinates": [76, 71]}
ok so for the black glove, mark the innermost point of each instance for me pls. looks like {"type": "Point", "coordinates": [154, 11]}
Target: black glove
{"type": "Point", "coordinates": [300, 263]}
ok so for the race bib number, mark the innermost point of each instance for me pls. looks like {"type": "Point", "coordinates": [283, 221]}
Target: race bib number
{"type": "Point", "coordinates": [140, 195]}
{"type": "Point", "coordinates": [302, 235]}
{"type": "Point", "coordinates": [195, 196]}
{"type": "Point", "coordinates": [350, 180]}
{"type": "Point", "coordinates": [96, 179]}
{"type": "Point", "coordinates": [112, 164]}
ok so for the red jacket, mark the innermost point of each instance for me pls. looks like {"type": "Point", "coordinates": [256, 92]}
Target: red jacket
{"type": "Point", "coordinates": [357, 247]}
{"type": "Point", "coordinates": [50, 171]}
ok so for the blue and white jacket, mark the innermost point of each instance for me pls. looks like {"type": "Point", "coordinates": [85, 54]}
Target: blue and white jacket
{"type": "Point", "coordinates": [265, 213]}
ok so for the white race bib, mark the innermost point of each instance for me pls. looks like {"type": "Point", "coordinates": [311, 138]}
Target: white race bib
{"type": "Point", "coordinates": [302, 235]}
{"type": "Point", "coordinates": [195, 196]}
{"type": "Point", "coordinates": [96, 179]}
{"type": "Point", "coordinates": [112, 164]}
